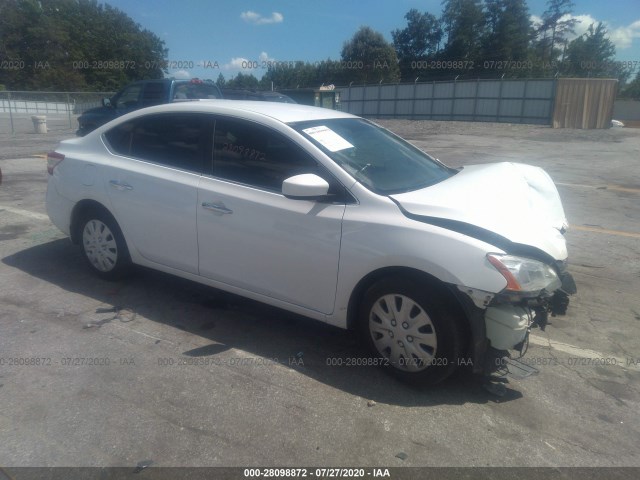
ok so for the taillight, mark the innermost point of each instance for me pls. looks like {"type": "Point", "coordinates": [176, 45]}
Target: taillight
{"type": "Point", "coordinates": [53, 160]}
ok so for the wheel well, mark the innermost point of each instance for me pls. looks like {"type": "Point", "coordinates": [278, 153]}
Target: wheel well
{"type": "Point", "coordinates": [81, 209]}
{"type": "Point", "coordinates": [429, 281]}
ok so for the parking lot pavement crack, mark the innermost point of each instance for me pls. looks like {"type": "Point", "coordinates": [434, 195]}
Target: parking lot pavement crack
{"type": "Point", "coordinates": [620, 348]}
{"type": "Point", "coordinates": [133, 330]}
{"type": "Point", "coordinates": [175, 422]}
{"type": "Point", "coordinates": [587, 449]}
{"type": "Point", "coordinates": [620, 402]}
{"type": "Point", "coordinates": [558, 361]}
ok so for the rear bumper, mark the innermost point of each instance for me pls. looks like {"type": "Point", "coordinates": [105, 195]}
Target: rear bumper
{"type": "Point", "coordinates": [59, 208]}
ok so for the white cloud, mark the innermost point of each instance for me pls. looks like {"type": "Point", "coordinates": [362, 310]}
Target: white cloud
{"type": "Point", "coordinates": [622, 37]}
{"type": "Point", "coordinates": [536, 20]}
{"type": "Point", "coordinates": [248, 66]}
{"type": "Point", "coordinates": [257, 19]}
{"type": "Point", "coordinates": [182, 75]}
{"type": "Point", "coordinates": [582, 24]}
{"type": "Point", "coordinates": [237, 63]}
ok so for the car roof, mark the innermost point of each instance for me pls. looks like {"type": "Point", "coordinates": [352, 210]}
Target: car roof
{"type": "Point", "coordinates": [283, 112]}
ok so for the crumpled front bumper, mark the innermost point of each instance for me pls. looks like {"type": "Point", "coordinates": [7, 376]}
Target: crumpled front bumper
{"type": "Point", "coordinates": [499, 326]}
{"type": "Point", "coordinates": [507, 325]}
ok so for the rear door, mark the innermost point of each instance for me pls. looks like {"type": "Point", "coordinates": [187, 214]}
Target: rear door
{"type": "Point", "coordinates": [250, 235]}
{"type": "Point", "coordinates": [152, 181]}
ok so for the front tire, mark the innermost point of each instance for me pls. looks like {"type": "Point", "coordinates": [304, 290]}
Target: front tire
{"type": "Point", "coordinates": [103, 245]}
{"type": "Point", "coordinates": [411, 329]}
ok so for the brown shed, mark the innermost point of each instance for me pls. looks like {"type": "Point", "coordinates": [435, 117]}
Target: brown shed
{"type": "Point", "coordinates": [584, 102]}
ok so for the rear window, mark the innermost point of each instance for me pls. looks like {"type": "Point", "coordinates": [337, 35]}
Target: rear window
{"type": "Point", "coordinates": [193, 91]}
{"type": "Point", "coordinates": [172, 140]}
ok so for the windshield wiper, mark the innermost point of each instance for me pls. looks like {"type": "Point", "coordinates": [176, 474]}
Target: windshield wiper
{"type": "Point", "coordinates": [363, 168]}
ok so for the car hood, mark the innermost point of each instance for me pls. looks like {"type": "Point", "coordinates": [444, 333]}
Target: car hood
{"type": "Point", "coordinates": [515, 201]}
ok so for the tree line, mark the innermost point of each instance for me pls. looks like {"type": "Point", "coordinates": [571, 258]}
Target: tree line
{"type": "Point", "coordinates": [470, 39]}
{"type": "Point", "coordinates": [74, 45]}
{"type": "Point", "coordinates": [84, 45]}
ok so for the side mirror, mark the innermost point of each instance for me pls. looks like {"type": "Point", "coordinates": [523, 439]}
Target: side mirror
{"type": "Point", "coordinates": [305, 187]}
{"type": "Point", "coordinates": [106, 102]}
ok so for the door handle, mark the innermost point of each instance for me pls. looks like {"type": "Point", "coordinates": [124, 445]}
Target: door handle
{"type": "Point", "coordinates": [216, 207]}
{"type": "Point", "coordinates": [118, 185]}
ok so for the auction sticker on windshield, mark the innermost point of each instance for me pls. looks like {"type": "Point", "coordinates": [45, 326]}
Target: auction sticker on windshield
{"type": "Point", "coordinates": [327, 138]}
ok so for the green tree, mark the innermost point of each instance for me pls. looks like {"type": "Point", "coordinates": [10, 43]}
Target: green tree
{"type": "Point", "coordinates": [329, 72]}
{"type": "Point", "coordinates": [300, 74]}
{"type": "Point", "coordinates": [305, 75]}
{"type": "Point", "coordinates": [221, 82]}
{"type": "Point", "coordinates": [463, 23]}
{"type": "Point", "coordinates": [593, 55]}
{"type": "Point", "coordinates": [243, 80]}
{"type": "Point", "coordinates": [419, 41]}
{"type": "Point", "coordinates": [369, 58]}
{"type": "Point", "coordinates": [556, 25]}
{"type": "Point", "coordinates": [508, 32]}
{"type": "Point", "coordinates": [632, 90]}
{"type": "Point", "coordinates": [75, 45]}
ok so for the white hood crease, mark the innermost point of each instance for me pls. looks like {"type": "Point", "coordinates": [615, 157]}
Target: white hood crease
{"type": "Point", "coordinates": [519, 202]}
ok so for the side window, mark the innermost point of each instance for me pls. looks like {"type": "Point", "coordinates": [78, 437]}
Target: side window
{"type": "Point", "coordinates": [176, 140]}
{"type": "Point", "coordinates": [119, 138]}
{"type": "Point", "coordinates": [129, 98]}
{"type": "Point", "coordinates": [257, 156]}
{"type": "Point", "coordinates": [155, 93]}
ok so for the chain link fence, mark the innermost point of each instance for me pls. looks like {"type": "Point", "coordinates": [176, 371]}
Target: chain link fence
{"type": "Point", "coordinates": [61, 109]}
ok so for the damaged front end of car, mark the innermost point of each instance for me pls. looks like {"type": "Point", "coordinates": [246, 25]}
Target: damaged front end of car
{"type": "Point", "coordinates": [501, 322]}
{"type": "Point", "coordinates": [516, 211]}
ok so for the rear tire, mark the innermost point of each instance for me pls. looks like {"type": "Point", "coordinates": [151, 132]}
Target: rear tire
{"type": "Point", "coordinates": [411, 329]}
{"type": "Point", "coordinates": [103, 245]}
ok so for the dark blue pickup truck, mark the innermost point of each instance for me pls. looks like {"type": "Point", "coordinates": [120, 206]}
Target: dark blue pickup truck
{"type": "Point", "coordinates": [145, 94]}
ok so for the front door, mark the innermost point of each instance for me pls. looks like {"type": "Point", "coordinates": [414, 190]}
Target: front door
{"type": "Point", "coordinates": [252, 237]}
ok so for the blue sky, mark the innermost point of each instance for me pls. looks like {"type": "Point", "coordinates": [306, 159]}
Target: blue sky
{"type": "Point", "coordinates": [225, 35]}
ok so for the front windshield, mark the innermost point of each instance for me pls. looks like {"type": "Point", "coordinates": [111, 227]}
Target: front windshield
{"type": "Point", "coordinates": [381, 161]}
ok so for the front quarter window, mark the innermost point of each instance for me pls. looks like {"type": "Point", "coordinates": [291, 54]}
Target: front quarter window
{"type": "Point", "coordinates": [381, 161]}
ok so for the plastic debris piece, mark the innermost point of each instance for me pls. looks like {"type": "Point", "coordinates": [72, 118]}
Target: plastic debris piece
{"type": "Point", "coordinates": [142, 465]}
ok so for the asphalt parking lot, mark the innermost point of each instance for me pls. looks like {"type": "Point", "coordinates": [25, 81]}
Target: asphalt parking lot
{"type": "Point", "coordinates": [158, 369]}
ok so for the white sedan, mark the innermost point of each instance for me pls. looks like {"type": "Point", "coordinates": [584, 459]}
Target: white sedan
{"type": "Point", "coordinates": [327, 215]}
